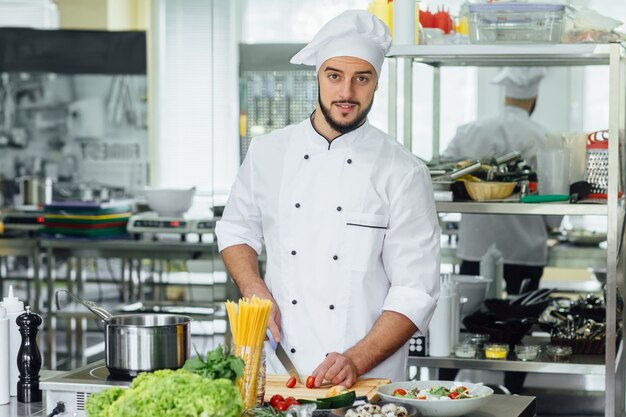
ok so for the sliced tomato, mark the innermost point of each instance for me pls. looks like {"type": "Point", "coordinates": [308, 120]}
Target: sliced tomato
{"type": "Point", "coordinates": [421, 397]}
{"type": "Point", "coordinates": [291, 382]}
{"type": "Point", "coordinates": [310, 382]}
{"type": "Point", "coordinates": [453, 395]}
{"type": "Point", "coordinates": [399, 392]}
{"type": "Point", "coordinates": [276, 399]}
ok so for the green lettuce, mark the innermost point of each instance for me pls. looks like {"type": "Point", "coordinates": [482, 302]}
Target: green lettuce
{"type": "Point", "coordinates": [169, 393]}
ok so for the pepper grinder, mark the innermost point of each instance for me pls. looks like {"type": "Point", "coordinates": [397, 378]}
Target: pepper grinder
{"type": "Point", "coordinates": [29, 358]}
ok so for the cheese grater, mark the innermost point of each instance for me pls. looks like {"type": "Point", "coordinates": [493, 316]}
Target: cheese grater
{"type": "Point", "coordinates": [597, 171]}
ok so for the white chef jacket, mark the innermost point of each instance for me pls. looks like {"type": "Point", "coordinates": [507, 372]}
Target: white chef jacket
{"type": "Point", "coordinates": [520, 239]}
{"type": "Point", "coordinates": [350, 229]}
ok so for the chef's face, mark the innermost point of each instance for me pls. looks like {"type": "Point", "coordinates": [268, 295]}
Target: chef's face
{"type": "Point", "coordinates": [346, 91]}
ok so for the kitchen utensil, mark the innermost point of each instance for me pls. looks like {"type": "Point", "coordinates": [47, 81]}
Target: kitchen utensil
{"type": "Point", "coordinates": [275, 384]}
{"type": "Point", "coordinates": [283, 357]}
{"type": "Point", "coordinates": [544, 198]}
{"type": "Point", "coordinates": [598, 163]}
{"type": "Point", "coordinates": [443, 182]}
{"type": "Point", "coordinates": [141, 342]}
{"type": "Point", "coordinates": [438, 407]}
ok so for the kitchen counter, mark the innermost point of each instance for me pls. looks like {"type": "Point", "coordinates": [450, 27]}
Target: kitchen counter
{"type": "Point", "coordinates": [498, 406]}
{"type": "Point", "coordinates": [15, 409]}
{"type": "Point", "coordinates": [507, 406]}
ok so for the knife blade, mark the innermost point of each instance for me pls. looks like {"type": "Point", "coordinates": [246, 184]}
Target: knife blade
{"type": "Point", "coordinates": [283, 357]}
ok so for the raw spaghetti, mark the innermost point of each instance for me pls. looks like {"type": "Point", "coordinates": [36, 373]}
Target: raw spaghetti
{"type": "Point", "coordinates": [248, 320]}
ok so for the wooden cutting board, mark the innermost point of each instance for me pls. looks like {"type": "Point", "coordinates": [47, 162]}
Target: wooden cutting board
{"type": "Point", "coordinates": [275, 384]}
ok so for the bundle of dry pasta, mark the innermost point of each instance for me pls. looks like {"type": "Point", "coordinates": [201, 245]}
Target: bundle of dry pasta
{"type": "Point", "coordinates": [248, 321]}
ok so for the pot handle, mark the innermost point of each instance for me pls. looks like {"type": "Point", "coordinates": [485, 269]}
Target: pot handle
{"type": "Point", "coordinates": [91, 306]}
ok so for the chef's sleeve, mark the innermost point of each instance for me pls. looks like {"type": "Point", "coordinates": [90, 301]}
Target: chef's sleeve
{"type": "Point", "coordinates": [241, 220]}
{"type": "Point", "coordinates": [411, 250]}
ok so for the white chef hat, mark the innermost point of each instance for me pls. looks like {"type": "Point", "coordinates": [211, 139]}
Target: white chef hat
{"type": "Point", "coordinates": [520, 82]}
{"type": "Point", "coordinates": [355, 33]}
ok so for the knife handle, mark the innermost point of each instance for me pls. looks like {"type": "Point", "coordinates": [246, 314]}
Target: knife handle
{"type": "Point", "coordinates": [271, 338]}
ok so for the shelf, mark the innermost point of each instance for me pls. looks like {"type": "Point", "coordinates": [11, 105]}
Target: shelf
{"type": "Point", "coordinates": [512, 54]}
{"type": "Point", "coordinates": [519, 208]}
{"type": "Point", "coordinates": [578, 365]}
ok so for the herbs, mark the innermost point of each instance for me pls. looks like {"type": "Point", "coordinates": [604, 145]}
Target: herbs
{"type": "Point", "coordinates": [219, 363]}
{"type": "Point", "coordinates": [439, 391]}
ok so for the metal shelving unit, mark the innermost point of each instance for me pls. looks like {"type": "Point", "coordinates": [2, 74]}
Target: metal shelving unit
{"type": "Point", "coordinates": [613, 55]}
{"type": "Point", "coordinates": [517, 208]}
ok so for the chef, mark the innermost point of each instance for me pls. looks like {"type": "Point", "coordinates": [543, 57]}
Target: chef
{"type": "Point", "coordinates": [520, 239]}
{"type": "Point", "coordinates": [347, 217]}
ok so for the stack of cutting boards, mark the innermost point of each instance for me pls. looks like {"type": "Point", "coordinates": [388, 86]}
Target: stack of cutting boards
{"type": "Point", "coordinates": [93, 220]}
{"type": "Point", "coordinates": [275, 384]}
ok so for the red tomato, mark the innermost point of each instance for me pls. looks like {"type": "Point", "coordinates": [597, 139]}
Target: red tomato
{"type": "Point", "coordinates": [276, 399]}
{"type": "Point", "coordinates": [453, 395]}
{"type": "Point", "coordinates": [421, 397]}
{"type": "Point", "coordinates": [310, 382]}
{"type": "Point", "coordinates": [399, 392]}
{"type": "Point", "coordinates": [291, 401]}
{"type": "Point", "coordinates": [291, 382]}
{"type": "Point", "coordinates": [281, 406]}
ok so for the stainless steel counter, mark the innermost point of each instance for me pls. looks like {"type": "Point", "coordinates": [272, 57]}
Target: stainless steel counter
{"type": "Point", "coordinates": [15, 409]}
{"type": "Point", "coordinates": [507, 406]}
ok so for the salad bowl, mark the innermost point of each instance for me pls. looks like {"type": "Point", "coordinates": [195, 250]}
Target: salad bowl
{"type": "Point", "coordinates": [430, 397]}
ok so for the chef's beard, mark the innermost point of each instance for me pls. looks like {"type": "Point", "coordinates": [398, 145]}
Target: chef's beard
{"type": "Point", "coordinates": [343, 127]}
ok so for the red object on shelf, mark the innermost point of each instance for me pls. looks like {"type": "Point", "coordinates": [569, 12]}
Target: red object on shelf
{"type": "Point", "coordinates": [443, 21]}
{"type": "Point", "coordinates": [427, 19]}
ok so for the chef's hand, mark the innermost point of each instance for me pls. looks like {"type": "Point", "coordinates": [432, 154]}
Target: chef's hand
{"type": "Point", "coordinates": [273, 324]}
{"type": "Point", "coordinates": [338, 369]}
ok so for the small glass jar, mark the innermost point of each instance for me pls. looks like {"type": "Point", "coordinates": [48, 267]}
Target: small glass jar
{"type": "Point", "coordinates": [477, 339]}
{"type": "Point", "coordinates": [527, 352]}
{"type": "Point", "coordinates": [465, 350]}
{"type": "Point", "coordinates": [261, 379]}
{"type": "Point", "coordinates": [496, 351]}
{"type": "Point", "coordinates": [559, 353]}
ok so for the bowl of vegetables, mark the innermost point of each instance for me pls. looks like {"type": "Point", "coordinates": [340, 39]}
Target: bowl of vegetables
{"type": "Point", "coordinates": [438, 398]}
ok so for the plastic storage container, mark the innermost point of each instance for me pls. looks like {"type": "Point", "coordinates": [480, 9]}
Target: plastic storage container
{"type": "Point", "coordinates": [516, 23]}
{"type": "Point", "coordinates": [527, 352]}
{"type": "Point", "coordinates": [496, 351]}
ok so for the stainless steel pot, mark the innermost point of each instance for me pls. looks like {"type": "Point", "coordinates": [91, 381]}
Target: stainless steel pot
{"type": "Point", "coordinates": [141, 342]}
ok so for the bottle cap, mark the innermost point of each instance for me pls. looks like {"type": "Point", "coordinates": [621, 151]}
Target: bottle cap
{"type": "Point", "coordinates": [11, 303]}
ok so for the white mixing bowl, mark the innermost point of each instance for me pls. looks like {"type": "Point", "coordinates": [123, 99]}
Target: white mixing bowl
{"type": "Point", "coordinates": [169, 202]}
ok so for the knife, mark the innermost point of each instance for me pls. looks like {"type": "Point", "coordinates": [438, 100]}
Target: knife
{"type": "Point", "coordinates": [283, 357]}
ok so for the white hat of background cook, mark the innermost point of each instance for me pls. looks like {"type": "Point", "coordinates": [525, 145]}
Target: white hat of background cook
{"type": "Point", "coordinates": [520, 82]}
{"type": "Point", "coordinates": [355, 33]}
